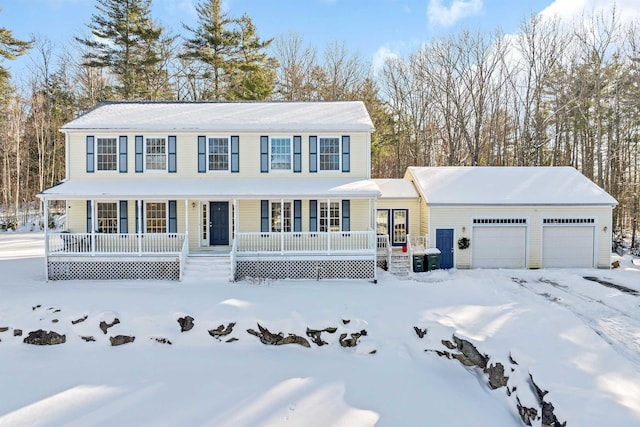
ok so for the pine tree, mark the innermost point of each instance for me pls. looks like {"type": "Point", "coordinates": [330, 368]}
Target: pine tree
{"type": "Point", "coordinates": [10, 48]}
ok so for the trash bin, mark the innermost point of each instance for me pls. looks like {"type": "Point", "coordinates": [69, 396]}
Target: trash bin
{"type": "Point", "coordinates": [418, 263]}
{"type": "Point", "coordinates": [432, 259]}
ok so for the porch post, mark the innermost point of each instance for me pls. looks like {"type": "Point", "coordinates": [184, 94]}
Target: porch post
{"type": "Point", "coordinates": [328, 226]}
{"type": "Point", "coordinates": [139, 207]}
{"type": "Point", "coordinates": [282, 226]}
{"type": "Point", "coordinates": [186, 220]}
{"type": "Point", "coordinates": [94, 220]}
{"type": "Point", "coordinates": [45, 209]}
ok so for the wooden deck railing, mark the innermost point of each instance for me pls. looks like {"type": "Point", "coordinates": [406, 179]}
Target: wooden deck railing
{"type": "Point", "coordinates": [305, 242]}
{"type": "Point", "coordinates": [115, 244]}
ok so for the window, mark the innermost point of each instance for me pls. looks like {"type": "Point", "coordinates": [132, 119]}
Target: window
{"type": "Point", "coordinates": [280, 153]}
{"type": "Point", "coordinates": [281, 217]}
{"type": "Point", "coordinates": [329, 153]}
{"type": "Point", "coordinates": [107, 217]}
{"type": "Point", "coordinates": [107, 154]}
{"type": "Point", "coordinates": [399, 226]}
{"type": "Point", "coordinates": [218, 154]}
{"type": "Point", "coordinates": [205, 224]}
{"type": "Point", "coordinates": [329, 216]}
{"type": "Point", "coordinates": [156, 217]}
{"type": "Point", "coordinates": [156, 154]}
{"type": "Point", "coordinates": [382, 222]}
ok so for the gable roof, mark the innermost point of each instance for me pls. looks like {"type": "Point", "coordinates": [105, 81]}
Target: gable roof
{"type": "Point", "coordinates": [504, 185]}
{"type": "Point", "coordinates": [342, 116]}
{"type": "Point", "coordinates": [398, 188]}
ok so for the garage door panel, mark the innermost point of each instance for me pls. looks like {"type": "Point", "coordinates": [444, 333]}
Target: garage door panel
{"type": "Point", "coordinates": [567, 246]}
{"type": "Point", "coordinates": [499, 247]}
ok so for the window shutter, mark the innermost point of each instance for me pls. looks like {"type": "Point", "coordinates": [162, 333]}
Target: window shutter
{"type": "Point", "coordinates": [139, 154]}
{"type": "Point", "coordinates": [346, 157]}
{"type": "Point", "coordinates": [264, 154]}
{"type": "Point", "coordinates": [346, 215]}
{"type": "Point", "coordinates": [172, 154]}
{"type": "Point", "coordinates": [235, 154]}
{"type": "Point", "coordinates": [313, 154]}
{"type": "Point", "coordinates": [297, 215]}
{"type": "Point", "coordinates": [173, 217]}
{"type": "Point", "coordinates": [124, 222]}
{"type": "Point", "coordinates": [90, 148]}
{"type": "Point", "coordinates": [297, 154]}
{"type": "Point", "coordinates": [202, 154]}
{"type": "Point", "coordinates": [122, 154]}
{"type": "Point", "coordinates": [264, 216]}
{"type": "Point", "coordinates": [313, 215]}
{"type": "Point", "coordinates": [89, 219]}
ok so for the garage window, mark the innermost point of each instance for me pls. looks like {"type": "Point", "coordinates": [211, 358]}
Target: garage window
{"type": "Point", "coordinates": [569, 221]}
{"type": "Point", "coordinates": [499, 220]}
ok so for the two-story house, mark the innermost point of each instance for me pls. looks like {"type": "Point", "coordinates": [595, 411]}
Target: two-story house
{"type": "Point", "coordinates": [282, 188]}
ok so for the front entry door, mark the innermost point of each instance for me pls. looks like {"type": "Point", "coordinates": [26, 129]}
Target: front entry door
{"type": "Point", "coordinates": [444, 242]}
{"type": "Point", "coordinates": [219, 223]}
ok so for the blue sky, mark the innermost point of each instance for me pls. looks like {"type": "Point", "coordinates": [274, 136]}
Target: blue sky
{"type": "Point", "coordinates": [373, 28]}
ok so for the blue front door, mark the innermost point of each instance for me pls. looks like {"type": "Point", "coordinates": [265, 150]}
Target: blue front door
{"type": "Point", "coordinates": [218, 223]}
{"type": "Point", "coordinates": [444, 242]}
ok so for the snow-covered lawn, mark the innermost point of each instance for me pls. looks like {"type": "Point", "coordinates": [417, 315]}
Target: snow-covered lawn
{"type": "Point", "coordinates": [579, 339]}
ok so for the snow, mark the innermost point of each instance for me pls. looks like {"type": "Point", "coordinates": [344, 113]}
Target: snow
{"type": "Point", "coordinates": [396, 188]}
{"type": "Point", "coordinates": [579, 340]}
{"type": "Point", "coordinates": [503, 185]}
{"type": "Point", "coordinates": [343, 116]}
{"type": "Point", "coordinates": [186, 188]}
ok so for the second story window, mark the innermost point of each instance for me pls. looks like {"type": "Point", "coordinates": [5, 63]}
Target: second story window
{"type": "Point", "coordinates": [106, 154]}
{"type": "Point", "coordinates": [218, 154]}
{"type": "Point", "coordinates": [156, 154]}
{"type": "Point", "coordinates": [280, 154]}
{"type": "Point", "coordinates": [329, 154]}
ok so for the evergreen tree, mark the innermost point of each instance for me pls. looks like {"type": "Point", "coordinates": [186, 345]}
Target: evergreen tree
{"type": "Point", "coordinates": [10, 48]}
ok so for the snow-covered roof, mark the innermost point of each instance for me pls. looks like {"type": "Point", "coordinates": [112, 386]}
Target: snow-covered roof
{"type": "Point", "coordinates": [342, 116]}
{"type": "Point", "coordinates": [241, 188]}
{"type": "Point", "coordinates": [501, 185]}
{"type": "Point", "coordinates": [396, 188]}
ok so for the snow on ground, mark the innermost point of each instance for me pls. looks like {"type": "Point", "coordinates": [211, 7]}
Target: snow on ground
{"type": "Point", "coordinates": [579, 339]}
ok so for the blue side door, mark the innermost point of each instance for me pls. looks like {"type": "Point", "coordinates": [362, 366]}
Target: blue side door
{"type": "Point", "coordinates": [444, 242]}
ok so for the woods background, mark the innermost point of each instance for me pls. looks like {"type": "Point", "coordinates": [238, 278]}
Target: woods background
{"type": "Point", "coordinates": [553, 94]}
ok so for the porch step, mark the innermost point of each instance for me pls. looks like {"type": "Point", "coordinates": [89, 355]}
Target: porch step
{"type": "Point", "coordinates": [218, 266]}
{"type": "Point", "coordinates": [399, 264]}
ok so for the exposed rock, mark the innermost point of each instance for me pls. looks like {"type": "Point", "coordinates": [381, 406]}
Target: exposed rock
{"type": "Point", "coordinates": [315, 335]}
{"type": "Point", "coordinates": [54, 321]}
{"type": "Point", "coordinates": [233, 339]}
{"type": "Point", "coordinates": [350, 342]}
{"type": "Point", "coordinates": [34, 308]}
{"type": "Point", "coordinates": [17, 332]}
{"type": "Point", "coordinates": [331, 330]}
{"type": "Point", "coordinates": [448, 344]}
{"type": "Point", "coordinates": [54, 310]}
{"type": "Point", "coordinates": [269, 338]}
{"type": "Point", "coordinates": [82, 319]}
{"type": "Point", "coordinates": [294, 339]}
{"type": "Point", "coordinates": [420, 332]}
{"type": "Point", "coordinates": [88, 338]}
{"type": "Point", "coordinates": [4, 328]}
{"type": "Point", "coordinates": [373, 351]}
{"type": "Point", "coordinates": [221, 331]}
{"type": "Point", "coordinates": [497, 378]}
{"type": "Point", "coordinates": [540, 394]}
{"type": "Point", "coordinates": [549, 419]}
{"type": "Point", "coordinates": [121, 339]}
{"type": "Point", "coordinates": [526, 414]}
{"type": "Point", "coordinates": [512, 360]}
{"type": "Point", "coordinates": [345, 321]}
{"type": "Point", "coordinates": [186, 323]}
{"type": "Point", "coordinates": [470, 355]}
{"type": "Point", "coordinates": [41, 337]}
{"type": "Point", "coordinates": [162, 340]}
{"type": "Point", "coordinates": [104, 326]}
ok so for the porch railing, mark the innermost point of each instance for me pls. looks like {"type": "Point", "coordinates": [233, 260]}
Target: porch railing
{"type": "Point", "coordinates": [306, 242]}
{"type": "Point", "coordinates": [114, 244]}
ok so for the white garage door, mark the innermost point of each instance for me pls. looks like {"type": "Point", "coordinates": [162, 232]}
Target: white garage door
{"type": "Point", "coordinates": [567, 246]}
{"type": "Point", "coordinates": [499, 247]}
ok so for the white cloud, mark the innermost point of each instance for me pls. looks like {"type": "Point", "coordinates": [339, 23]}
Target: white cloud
{"type": "Point", "coordinates": [382, 54]}
{"type": "Point", "coordinates": [568, 10]}
{"type": "Point", "coordinates": [442, 15]}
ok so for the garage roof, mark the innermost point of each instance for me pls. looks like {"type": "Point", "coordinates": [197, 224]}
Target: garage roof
{"type": "Point", "coordinates": [503, 185]}
{"type": "Point", "coordinates": [399, 188]}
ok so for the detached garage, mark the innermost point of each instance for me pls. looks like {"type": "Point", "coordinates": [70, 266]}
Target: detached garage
{"type": "Point", "coordinates": [515, 217]}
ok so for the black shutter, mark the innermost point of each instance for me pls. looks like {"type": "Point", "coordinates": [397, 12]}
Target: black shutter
{"type": "Point", "coordinates": [172, 154]}
{"type": "Point", "coordinates": [124, 214]}
{"type": "Point", "coordinates": [173, 217]}
{"type": "Point", "coordinates": [235, 154]}
{"type": "Point", "coordinates": [264, 216]}
{"type": "Point", "coordinates": [297, 154]}
{"type": "Point", "coordinates": [346, 215]}
{"type": "Point", "coordinates": [90, 156]}
{"type": "Point", "coordinates": [202, 154]}
{"type": "Point", "coordinates": [264, 154]}
{"type": "Point", "coordinates": [122, 150]}
{"type": "Point", "coordinates": [346, 157]}
{"type": "Point", "coordinates": [297, 215]}
{"type": "Point", "coordinates": [313, 154]}
{"type": "Point", "coordinates": [313, 215]}
{"type": "Point", "coordinates": [89, 219]}
{"type": "Point", "coordinates": [139, 154]}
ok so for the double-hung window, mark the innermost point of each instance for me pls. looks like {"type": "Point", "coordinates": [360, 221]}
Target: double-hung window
{"type": "Point", "coordinates": [329, 154]}
{"type": "Point", "coordinates": [218, 154]}
{"type": "Point", "coordinates": [156, 217]}
{"type": "Point", "coordinates": [281, 217]}
{"type": "Point", "coordinates": [156, 154]}
{"type": "Point", "coordinates": [329, 216]}
{"type": "Point", "coordinates": [106, 154]}
{"type": "Point", "coordinates": [281, 154]}
{"type": "Point", "coordinates": [107, 217]}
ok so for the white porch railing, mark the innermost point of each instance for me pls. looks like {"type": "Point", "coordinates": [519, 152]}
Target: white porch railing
{"type": "Point", "coordinates": [338, 242]}
{"type": "Point", "coordinates": [417, 244]}
{"type": "Point", "coordinates": [383, 247]}
{"type": "Point", "coordinates": [115, 244]}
